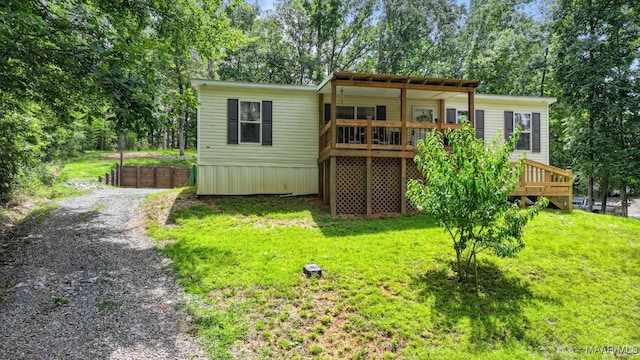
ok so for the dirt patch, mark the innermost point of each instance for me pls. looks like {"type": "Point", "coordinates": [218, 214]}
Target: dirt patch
{"type": "Point", "coordinates": [12, 214]}
{"type": "Point", "coordinates": [5, 224]}
{"type": "Point", "coordinates": [158, 208]}
{"type": "Point", "coordinates": [185, 203]}
{"type": "Point", "coordinates": [260, 222]}
{"type": "Point", "coordinates": [314, 319]}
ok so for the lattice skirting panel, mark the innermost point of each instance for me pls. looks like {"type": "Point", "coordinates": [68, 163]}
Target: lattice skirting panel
{"type": "Point", "coordinates": [326, 180]}
{"type": "Point", "coordinates": [351, 182]}
{"type": "Point", "coordinates": [412, 173]}
{"type": "Point", "coordinates": [386, 185]}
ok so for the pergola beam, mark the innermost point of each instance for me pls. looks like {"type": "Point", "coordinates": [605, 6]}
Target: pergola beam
{"type": "Point", "coordinates": [410, 86]}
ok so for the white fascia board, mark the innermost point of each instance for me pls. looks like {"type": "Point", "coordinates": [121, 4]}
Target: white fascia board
{"type": "Point", "coordinates": [325, 81]}
{"type": "Point", "coordinates": [198, 83]}
{"type": "Point", "coordinates": [524, 99]}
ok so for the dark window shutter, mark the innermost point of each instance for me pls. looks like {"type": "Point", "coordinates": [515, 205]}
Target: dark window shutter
{"type": "Point", "coordinates": [451, 116]}
{"type": "Point", "coordinates": [267, 121]}
{"type": "Point", "coordinates": [381, 112]}
{"type": "Point", "coordinates": [479, 124]}
{"type": "Point", "coordinates": [508, 124]}
{"type": "Point", "coordinates": [327, 113]}
{"type": "Point", "coordinates": [232, 121]}
{"type": "Point", "coordinates": [535, 132]}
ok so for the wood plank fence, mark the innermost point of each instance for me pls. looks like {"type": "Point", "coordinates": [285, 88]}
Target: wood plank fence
{"type": "Point", "coordinates": [162, 177]}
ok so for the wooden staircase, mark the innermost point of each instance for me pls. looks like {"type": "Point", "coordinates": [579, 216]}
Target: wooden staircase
{"type": "Point", "coordinates": [539, 180]}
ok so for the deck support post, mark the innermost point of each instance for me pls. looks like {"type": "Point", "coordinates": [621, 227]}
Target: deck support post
{"type": "Point", "coordinates": [334, 133]}
{"type": "Point", "coordinates": [441, 114]}
{"type": "Point", "coordinates": [403, 186]}
{"type": "Point", "coordinates": [332, 186]}
{"type": "Point", "coordinates": [321, 165]}
{"type": "Point", "coordinates": [321, 180]}
{"type": "Point", "coordinates": [369, 190]}
{"type": "Point", "coordinates": [570, 197]}
{"type": "Point", "coordinates": [326, 181]}
{"type": "Point", "coordinates": [320, 114]}
{"type": "Point", "coordinates": [471, 107]}
{"type": "Point", "coordinates": [403, 118]}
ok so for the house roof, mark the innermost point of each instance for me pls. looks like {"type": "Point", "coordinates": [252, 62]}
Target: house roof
{"type": "Point", "coordinates": [239, 84]}
{"type": "Point", "coordinates": [512, 98]}
{"type": "Point", "coordinates": [383, 85]}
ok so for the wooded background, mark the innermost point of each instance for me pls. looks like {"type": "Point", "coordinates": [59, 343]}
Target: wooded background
{"type": "Point", "coordinates": [75, 75]}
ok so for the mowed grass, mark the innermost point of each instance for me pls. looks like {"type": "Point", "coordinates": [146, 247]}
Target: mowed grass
{"type": "Point", "coordinates": [92, 164]}
{"type": "Point", "coordinates": [387, 291]}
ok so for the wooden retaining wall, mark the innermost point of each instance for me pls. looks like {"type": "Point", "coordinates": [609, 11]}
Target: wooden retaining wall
{"type": "Point", "coordinates": [162, 177]}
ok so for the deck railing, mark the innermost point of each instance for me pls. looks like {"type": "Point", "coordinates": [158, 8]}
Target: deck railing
{"type": "Point", "coordinates": [539, 179]}
{"type": "Point", "coordinates": [376, 134]}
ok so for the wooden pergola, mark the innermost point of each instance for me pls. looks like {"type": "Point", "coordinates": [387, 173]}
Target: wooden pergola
{"type": "Point", "coordinates": [330, 150]}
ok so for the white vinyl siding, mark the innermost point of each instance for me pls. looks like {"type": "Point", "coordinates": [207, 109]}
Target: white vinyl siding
{"type": "Point", "coordinates": [247, 168]}
{"type": "Point", "coordinates": [494, 120]}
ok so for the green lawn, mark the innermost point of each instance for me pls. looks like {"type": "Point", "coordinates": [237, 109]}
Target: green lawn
{"type": "Point", "coordinates": [92, 164]}
{"type": "Point", "coordinates": [388, 291]}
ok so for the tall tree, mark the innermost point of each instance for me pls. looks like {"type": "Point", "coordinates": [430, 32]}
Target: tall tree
{"type": "Point", "coordinates": [505, 45]}
{"type": "Point", "coordinates": [597, 59]}
{"type": "Point", "coordinates": [193, 34]}
{"type": "Point", "coordinates": [415, 36]}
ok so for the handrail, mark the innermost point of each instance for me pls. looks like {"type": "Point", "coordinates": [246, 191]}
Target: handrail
{"type": "Point", "coordinates": [390, 124]}
{"type": "Point", "coordinates": [325, 128]}
{"type": "Point", "coordinates": [546, 167]}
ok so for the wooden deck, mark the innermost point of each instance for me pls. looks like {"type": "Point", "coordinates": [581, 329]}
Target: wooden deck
{"type": "Point", "coordinates": [364, 164]}
{"type": "Point", "coordinates": [539, 180]}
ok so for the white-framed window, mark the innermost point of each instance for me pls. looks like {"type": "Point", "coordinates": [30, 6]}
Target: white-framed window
{"type": "Point", "coordinates": [355, 112]}
{"type": "Point", "coordinates": [456, 116]}
{"type": "Point", "coordinates": [523, 119]}
{"type": "Point", "coordinates": [423, 114]}
{"type": "Point", "coordinates": [364, 112]}
{"type": "Point", "coordinates": [462, 115]}
{"type": "Point", "coordinates": [357, 134]}
{"type": "Point", "coordinates": [250, 116]}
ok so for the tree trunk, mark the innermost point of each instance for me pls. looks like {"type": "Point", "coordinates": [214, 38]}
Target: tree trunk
{"type": "Point", "coordinates": [592, 157]}
{"type": "Point", "coordinates": [184, 114]}
{"type": "Point", "coordinates": [590, 194]}
{"type": "Point", "coordinates": [544, 72]}
{"type": "Point", "coordinates": [319, 74]}
{"type": "Point", "coordinates": [121, 148]}
{"type": "Point", "coordinates": [605, 191]}
{"type": "Point", "coordinates": [623, 199]}
{"type": "Point", "coordinates": [459, 265]}
{"type": "Point", "coordinates": [181, 123]}
{"type": "Point", "coordinates": [210, 69]}
{"type": "Point", "coordinates": [475, 265]}
{"type": "Point", "coordinates": [165, 139]}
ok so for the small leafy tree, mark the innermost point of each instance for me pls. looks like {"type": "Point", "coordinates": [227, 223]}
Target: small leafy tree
{"type": "Point", "coordinates": [466, 191]}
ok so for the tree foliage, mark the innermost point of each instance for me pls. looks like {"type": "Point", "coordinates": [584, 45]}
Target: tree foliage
{"type": "Point", "coordinates": [97, 69]}
{"type": "Point", "coordinates": [100, 68]}
{"type": "Point", "coordinates": [597, 59]}
{"type": "Point", "coordinates": [466, 191]}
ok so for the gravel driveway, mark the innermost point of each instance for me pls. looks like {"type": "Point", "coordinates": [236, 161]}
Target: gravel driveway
{"type": "Point", "coordinates": [86, 284]}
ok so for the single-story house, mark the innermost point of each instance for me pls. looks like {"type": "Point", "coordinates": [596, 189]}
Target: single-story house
{"type": "Point", "coordinates": [352, 138]}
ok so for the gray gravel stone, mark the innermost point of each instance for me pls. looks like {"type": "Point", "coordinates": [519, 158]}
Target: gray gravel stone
{"type": "Point", "coordinates": [87, 284]}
